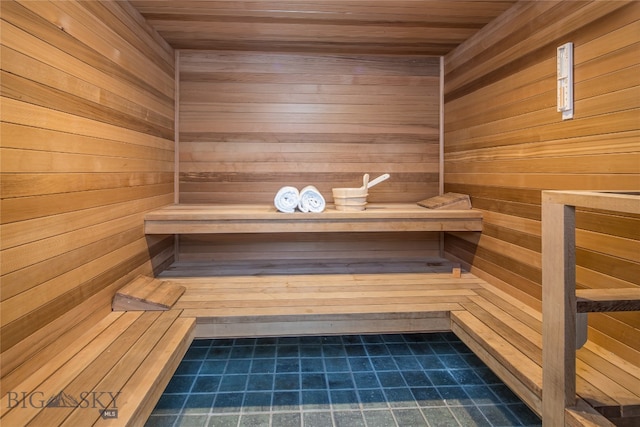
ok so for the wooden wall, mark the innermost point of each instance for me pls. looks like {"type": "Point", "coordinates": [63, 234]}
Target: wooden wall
{"type": "Point", "coordinates": [252, 122]}
{"type": "Point", "coordinates": [87, 147]}
{"type": "Point", "coordinates": [505, 142]}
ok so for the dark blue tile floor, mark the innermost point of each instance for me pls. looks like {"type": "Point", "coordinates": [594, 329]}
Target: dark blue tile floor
{"type": "Point", "coordinates": [351, 381]}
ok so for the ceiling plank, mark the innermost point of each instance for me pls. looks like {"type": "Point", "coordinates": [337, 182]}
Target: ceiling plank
{"type": "Point", "coordinates": [405, 27]}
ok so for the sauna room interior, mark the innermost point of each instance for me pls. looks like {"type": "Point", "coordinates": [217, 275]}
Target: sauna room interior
{"type": "Point", "coordinates": [143, 144]}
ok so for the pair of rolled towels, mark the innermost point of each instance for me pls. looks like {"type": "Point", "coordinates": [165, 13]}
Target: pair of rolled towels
{"type": "Point", "coordinates": [309, 199]}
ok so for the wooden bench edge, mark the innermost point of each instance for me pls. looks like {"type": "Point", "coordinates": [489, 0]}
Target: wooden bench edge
{"type": "Point", "coordinates": [143, 390]}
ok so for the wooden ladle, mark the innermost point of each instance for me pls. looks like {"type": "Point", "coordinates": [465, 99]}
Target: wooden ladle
{"type": "Point", "coordinates": [378, 180]}
{"type": "Point", "coordinates": [365, 182]}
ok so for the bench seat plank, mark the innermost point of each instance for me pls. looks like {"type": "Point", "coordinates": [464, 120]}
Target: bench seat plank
{"type": "Point", "coordinates": [619, 370]}
{"type": "Point", "coordinates": [28, 375]}
{"type": "Point", "coordinates": [126, 366]}
{"type": "Point", "coordinates": [146, 386]}
{"type": "Point", "coordinates": [52, 378]}
{"type": "Point", "coordinates": [236, 218]}
{"type": "Point", "coordinates": [121, 365]}
{"type": "Point", "coordinates": [607, 300]}
{"type": "Point", "coordinates": [93, 373]}
{"type": "Point", "coordinates": [518, 372]}
{"type": "Point", "coordinates": [295, 314]}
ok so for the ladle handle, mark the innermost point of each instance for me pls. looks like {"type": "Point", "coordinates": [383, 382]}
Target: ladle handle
{"type": "Point", "coordinates": [378, 180]}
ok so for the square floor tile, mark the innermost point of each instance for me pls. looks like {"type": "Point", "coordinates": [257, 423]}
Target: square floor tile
{"type": "Point", "coordinates": [287, 382]}
{"type": "Point", "coordinates": [441, 417]}
{"type": "Point", "coordinates": [227, 402]}
{"type": "Point", "coordinates": [391, 379]}
{"type": "Point", "coordinates": [257, 402]}
{"type": "Point", "coordinates": [169, 404]}
{"type": "Point", "coordinates": [315, 400]}
{"type": "Point", "coordinates": [285, 400]}
{"type": "Point", "coordinates": [263, 366]}
{"type": "Point", "coordinates": [223, 421]}
{"type": "Point", "coordinates": [287, 365]}
{"type": "Point", "coordinates": [344, 399]}
{"type": "Point", "coordinates": [255, 420]}
{"type": "Point", "coordinates": [199, 403]}
{"type": "Point", "coordinates": [317, 419]}
{"type": "Point", "coordinates": [366, 380]}
{"type": "Point", "coordinates": [380, 418]}
{"type": "Point", "coordinates": [372, 398]}
{"type": "Point", "coordinates": [339, 380]}
{"type": "Point", "coordinates": [233, 383]}
{"type": "Point", "coordinates": [348, 419]}
{"type": "Point", "coordinates": [258, 382]}
{"type": "Point", "coordinates": [427, 396]}
{"type": "Point", "coordinates": [265, 351]}
{"type": "Point", "coordinates": [314, 381]}
{"type": "Point", "coordinates": [400, 397]}
{"type": "Point", "coordinates": [288, 419]}
{"type": "Point", "coordinates": [499, 415]}
{"type": "Point", "coordinates": [470, 416]}
{"type": "Point", "coordinates": [213, 367]}
{"type": "Point", "coordinates": [189, 367]}
{"type": "Point", "coordinates": [410, 417]}
{"type": "Point", "coordinates": [312, 365]}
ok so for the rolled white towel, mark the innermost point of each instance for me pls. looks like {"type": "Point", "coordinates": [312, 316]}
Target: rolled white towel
{"type": "Point", "coordinates": [311, 200]}
{"type": "Point", "coordinates": [287, 199]}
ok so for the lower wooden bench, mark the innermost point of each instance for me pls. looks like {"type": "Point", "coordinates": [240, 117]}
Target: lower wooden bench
{"type": "Point", "coordinates": [112, 375]}
{"type": "Point", "coordinates": [505, 333]}
{"type": "Point", "coordinates": [507, 336]}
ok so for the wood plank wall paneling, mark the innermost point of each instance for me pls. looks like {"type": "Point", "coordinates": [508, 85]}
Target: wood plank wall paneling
{"type": "Point", "coordinates": [87, 148]}
{"type": "Point", "coordinates": [320, 248]}
{"type": "Point", "coordinates": [505, 142]}
{"type": "Point", "coordinates": [252, 122]}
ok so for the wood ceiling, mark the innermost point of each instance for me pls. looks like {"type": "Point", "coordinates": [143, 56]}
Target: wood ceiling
{"type": "Point", "coordinates": [420, 27]}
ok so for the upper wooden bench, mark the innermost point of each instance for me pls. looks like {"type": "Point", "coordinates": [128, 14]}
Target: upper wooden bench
{"type": "Point", "coordinates": [236, 218]}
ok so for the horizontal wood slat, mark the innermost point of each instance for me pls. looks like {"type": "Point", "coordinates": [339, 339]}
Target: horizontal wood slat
{"type": "Point", "coordinates": [87, 149]}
